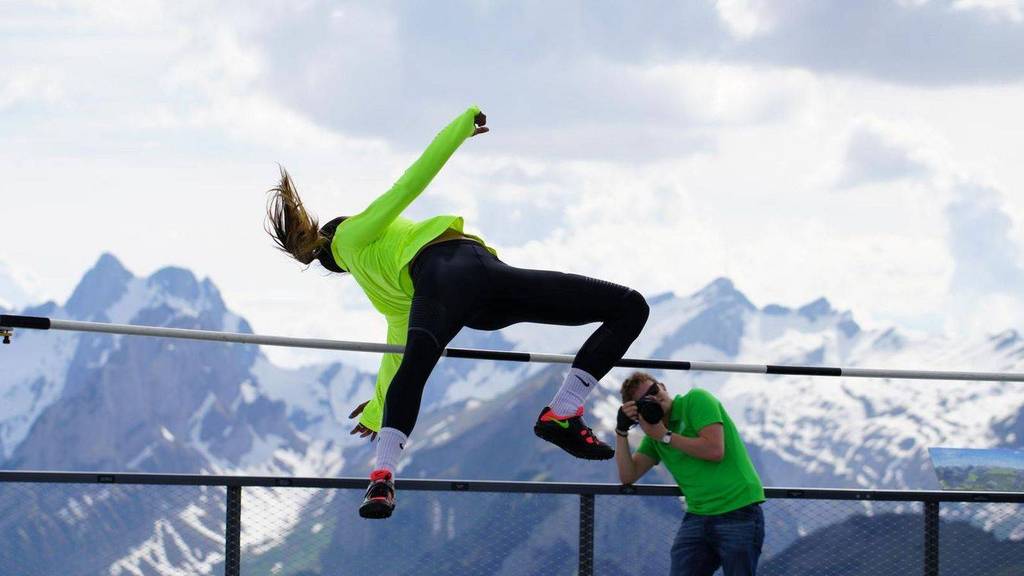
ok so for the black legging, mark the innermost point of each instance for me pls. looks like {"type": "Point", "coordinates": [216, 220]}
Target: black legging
{"type": "Point", "coordinates": [459, 283]}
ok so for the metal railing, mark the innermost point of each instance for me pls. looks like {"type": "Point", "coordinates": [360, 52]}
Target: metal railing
{"type": "Point", "coordinates": [930, 560]}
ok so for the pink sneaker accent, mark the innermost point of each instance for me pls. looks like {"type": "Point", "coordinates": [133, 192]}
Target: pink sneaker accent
{"type": "Point", "coordinates": [550, 415]}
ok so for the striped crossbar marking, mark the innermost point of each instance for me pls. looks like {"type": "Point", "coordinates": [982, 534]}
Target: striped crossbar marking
{"type": "Point", "coordinates": [804, 370]}
{"type": "Point", "coordinates": [31, 322]}
{"type": "Point", "coordinates": [37, 323]}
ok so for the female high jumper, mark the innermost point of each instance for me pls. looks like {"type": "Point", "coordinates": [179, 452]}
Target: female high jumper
{"type": "Point", "coordinates": [429, 279]}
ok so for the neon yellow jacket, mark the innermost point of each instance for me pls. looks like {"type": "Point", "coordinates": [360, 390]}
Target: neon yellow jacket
{"type": "Point", "coordinates": [377, 245]}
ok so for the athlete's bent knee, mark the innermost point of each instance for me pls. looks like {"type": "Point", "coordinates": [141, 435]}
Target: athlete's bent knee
{"type": "Point", "coordinates": [636, 310]}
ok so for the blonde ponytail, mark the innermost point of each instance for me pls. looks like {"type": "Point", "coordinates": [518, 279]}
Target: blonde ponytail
{"type": "Point", "coordinates": [293, 229]}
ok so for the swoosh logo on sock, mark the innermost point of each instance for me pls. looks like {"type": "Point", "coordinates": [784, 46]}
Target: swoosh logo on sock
{"type": "Point", "coordinates": [585, 383]}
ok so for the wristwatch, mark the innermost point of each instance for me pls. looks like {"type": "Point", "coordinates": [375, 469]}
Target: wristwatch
{"type": "Point", "coordinates": [667, 438]}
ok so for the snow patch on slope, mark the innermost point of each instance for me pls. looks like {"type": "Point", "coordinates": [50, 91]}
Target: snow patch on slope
{"type": "Point", "coordinates": [34, 372]}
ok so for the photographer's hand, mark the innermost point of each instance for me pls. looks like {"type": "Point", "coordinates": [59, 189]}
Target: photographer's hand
{"type": "Point", "coordinates": [630, 410]}
{"type": "Point", "coordinates": [623, 422]}
{"type": "Point", "coordinates": [631, 466]}
{"type": "Point", "coordinates": [656, 431]}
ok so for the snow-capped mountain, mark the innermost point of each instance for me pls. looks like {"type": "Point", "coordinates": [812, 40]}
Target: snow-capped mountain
{"type": "Point", "coordinates": [16, 291]}
{"type": "Point", "coordinates": [96, 401]}
{"type": "Point", "coordinates": [843, 432]}
{"type": "Point", "coordinates": [804, 431]}
{"type": "Point", "coordinates": [801, 431]}
{"type": "Point", "coordinates": [93, 401]}
{"type": "Point", "coordinates": [72, 401]}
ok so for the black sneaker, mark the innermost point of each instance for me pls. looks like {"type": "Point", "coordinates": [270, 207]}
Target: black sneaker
{"type": "Point", "coordinates": [572, 435]}
{"type": "Point", "coordinates": [379, 501]}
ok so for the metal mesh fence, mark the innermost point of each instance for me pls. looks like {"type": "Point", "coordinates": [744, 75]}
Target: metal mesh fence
{"type": "Point", "coordinates": [307, 532]}
{"type": "Point", "coordinates": [842, 538]}
{"type": "Point", "coordinates": [981, 539]}
{"type": "Point", "coordinates": [633, 535]}
{"type": "Point", "coordinates": [88, 529]}
{"type": "Point", "coordinates": [122, 529]}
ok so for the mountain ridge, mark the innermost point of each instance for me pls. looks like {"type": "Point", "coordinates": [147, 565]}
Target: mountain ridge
{"type": "Point", "coordinates": [98, 401]}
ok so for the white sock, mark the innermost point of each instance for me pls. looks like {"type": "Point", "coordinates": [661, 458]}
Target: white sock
{"type": "Point", "coordinates": [390, 443]}
{"type": "Point", "coordinates": [573, 392]}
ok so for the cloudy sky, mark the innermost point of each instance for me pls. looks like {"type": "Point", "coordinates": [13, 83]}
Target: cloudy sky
{"type": "Point", "coordinates": [868, 152]}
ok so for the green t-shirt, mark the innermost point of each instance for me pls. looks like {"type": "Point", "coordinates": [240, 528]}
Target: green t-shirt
{"type": "Point", "coordinates": [377, 245]}
{"type": "Point", "coordinates": [710, 487]}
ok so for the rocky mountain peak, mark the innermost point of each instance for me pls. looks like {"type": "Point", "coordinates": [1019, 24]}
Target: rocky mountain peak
{"type": "Point", "coordinates": [102, 286]}
{"type": "Point", "coordinates": [816, 309]}
{"type": "Point", "coordinates": [175, 281]}
{"type": "Point", "coordinates": [722, 291]}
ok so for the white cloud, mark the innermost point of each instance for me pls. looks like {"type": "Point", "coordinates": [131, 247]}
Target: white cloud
{"type": "Point", "coordinates": [711, 93]}
{"type": "Point", "coordinates": [656, 154]}
{"type": "Point", "coordinates": [746, 18]}
{"type": "Point", "coordinates": [17, 288]}
{"type": "Point", "coordinates": [29, 87]}
{"type": "Point", "coordinates": [875, 155]}
{"type": "Point", "coordinates": [906, 42]}
{"type": "Point", "coordinates": [114, 14]}
{"type": "Point", "coordinates": [1012, 10]}
{"type": "Point", "coordinates": [987, 259]}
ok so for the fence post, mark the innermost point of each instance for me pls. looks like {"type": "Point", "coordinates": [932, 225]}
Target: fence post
{"type": "Point", "coordinates": [586, 535]}
{"type": "Point", "coordinates": [233, 532]}
{"type": "Point", "coordinates": [931, 538]}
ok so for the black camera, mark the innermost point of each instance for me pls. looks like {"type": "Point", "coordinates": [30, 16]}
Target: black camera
{"type": "Point", "coordinates": [650, 410]}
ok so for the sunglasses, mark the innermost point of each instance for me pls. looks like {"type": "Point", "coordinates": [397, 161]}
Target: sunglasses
{"type": "Point", "coordinates": [653, 390]}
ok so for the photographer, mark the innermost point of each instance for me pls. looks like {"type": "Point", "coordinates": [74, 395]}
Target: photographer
{"type": "Point", "coordinates": [693, 436]}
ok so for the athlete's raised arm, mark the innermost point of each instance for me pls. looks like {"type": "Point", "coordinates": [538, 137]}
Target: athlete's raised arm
{"type": "Point", "coordinates": [367, 226]}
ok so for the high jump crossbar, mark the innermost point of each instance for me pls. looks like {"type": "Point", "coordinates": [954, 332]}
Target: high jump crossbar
{"type": "Point", "coordinates": [8, 323]}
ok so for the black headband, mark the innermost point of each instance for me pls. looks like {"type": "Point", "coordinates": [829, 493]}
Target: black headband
{"type": "Point", "coordinates": [324, 255]}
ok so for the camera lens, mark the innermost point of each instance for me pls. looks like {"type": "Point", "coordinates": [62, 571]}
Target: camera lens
{"type": "Point", "coordinates": [650, 410]}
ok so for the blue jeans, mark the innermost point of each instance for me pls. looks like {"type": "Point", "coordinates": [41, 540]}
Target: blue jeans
{"type": "Point", "coordinates": [732, 540]}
